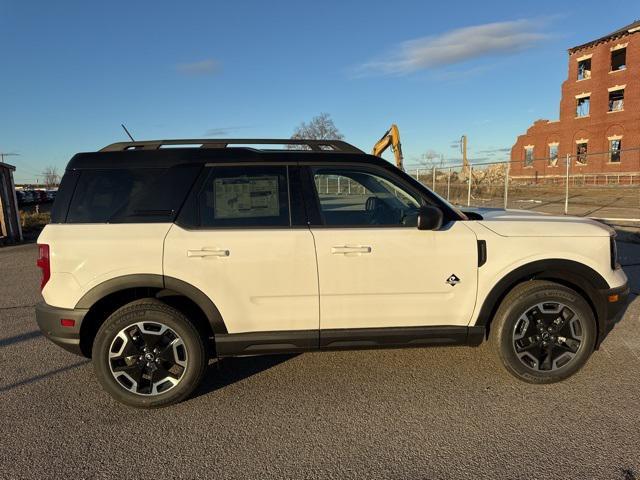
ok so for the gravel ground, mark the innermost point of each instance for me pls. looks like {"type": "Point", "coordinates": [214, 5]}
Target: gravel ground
{"type": "Point", "coordinates": [402, 414]}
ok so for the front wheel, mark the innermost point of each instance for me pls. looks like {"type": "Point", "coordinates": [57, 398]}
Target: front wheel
{"type": "Point", "coordinates": [147, 354]}
{"type": "Point", "coordinates": [543, 332]}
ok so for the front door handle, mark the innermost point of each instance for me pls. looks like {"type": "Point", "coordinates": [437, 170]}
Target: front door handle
{"type": "Point", "coordinates": [208, 252]}
{"type": "Point", "coordinates": [346, 249]}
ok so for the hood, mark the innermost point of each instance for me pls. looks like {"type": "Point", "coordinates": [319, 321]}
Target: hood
{"type": "Point", "coordinates": [525, 223]}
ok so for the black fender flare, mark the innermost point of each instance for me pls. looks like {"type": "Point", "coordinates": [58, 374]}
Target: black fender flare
{"type": "Point", "coordinates": [160, 282]}
{"type": "Point", "coordinates": [569, 272]}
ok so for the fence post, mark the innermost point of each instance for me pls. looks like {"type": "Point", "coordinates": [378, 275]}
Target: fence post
{"type": "Point", "coordinates": [506, 185]}
{"type": "Point", "coordinates": [327, 184]}
{"type": "Point", "coordinates": [349, 185]}
{"type": "Point", "coordinates": [449, 183]}
{"type": "Point", "coordinates": [566, 187]}
{"type": "Point", "coordinates": [469, 185]}
{"type": "Point", "coordinates": [417, 174]}
{"type": "Point", "coordinates": [338, 185]}
{"type": "Point", "coordinates": [433, 183]}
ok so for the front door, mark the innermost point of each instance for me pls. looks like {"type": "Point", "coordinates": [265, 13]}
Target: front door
{"type": "Point", "coordinates": [376, 269]}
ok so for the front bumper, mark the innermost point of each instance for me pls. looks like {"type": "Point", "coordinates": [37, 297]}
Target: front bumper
{"type": "Point", "coordinates": [611, 312]}
{"type": "Point", "coordinates": [50, 322]}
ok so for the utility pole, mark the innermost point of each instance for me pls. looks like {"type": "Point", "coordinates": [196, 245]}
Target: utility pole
{"type": "Point", "coordinates": [463, 148]}
{"type": "Point", "coordinates": [2, 155]}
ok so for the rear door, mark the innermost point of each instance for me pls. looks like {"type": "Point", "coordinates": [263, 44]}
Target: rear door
{"type": "Point", "coordinates": [242, 240]}
{"type": "Point", "coordinates": [376, 269]}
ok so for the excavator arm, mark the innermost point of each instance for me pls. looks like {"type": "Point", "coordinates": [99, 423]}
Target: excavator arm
{"type": "Point", "coordinates": [391, 138]}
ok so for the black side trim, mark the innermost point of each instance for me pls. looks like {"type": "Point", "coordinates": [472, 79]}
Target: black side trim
{"type": "Point", "coordinates": [612, 312]}
{"type": "Point", "coordinates": [260, 343]}
{"type": "Point", "coordinates": [352, 338]}
{"type": "Point", "coordinates": [476, 336]}
{"type": "Point", "coordinates": [201, 299]}
{"type": "Point", "coordinates": [156, 281]}
{"type": "Point", "coordinates": [48, 319]}
{"type": "Point", "coordinates": [482, 252]}
{"type": "Point", "coordinates": [587, 280]}
{"type": "Point", "coordinates": [113, 285]}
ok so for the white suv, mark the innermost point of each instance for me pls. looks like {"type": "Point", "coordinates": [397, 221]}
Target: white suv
{"type": "Point", "coordinates": [159, 258]}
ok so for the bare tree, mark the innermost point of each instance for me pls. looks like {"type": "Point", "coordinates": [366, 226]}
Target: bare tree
{"type": "Point", "coordinates": [430, 158]}
{"type": "Point", "coordinates": [51, 177]}
{"type": "Point", "coordinates": [320, 127]}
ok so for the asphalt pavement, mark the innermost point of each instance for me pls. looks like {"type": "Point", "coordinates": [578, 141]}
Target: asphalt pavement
{"type": "Point", "coordinates": [434, 413]}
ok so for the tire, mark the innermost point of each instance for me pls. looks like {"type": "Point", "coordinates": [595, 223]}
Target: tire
{"type": "Point", "coordinates": [543, 332]}
{"type": "Point", "coordinates": [148, 355]}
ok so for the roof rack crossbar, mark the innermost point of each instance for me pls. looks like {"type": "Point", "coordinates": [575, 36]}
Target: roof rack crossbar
{"type": "Point", "coordinates": [314, 145]}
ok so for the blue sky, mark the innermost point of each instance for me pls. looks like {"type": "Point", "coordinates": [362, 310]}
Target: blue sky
{"type": "Point", "coordinates": [73, 71]}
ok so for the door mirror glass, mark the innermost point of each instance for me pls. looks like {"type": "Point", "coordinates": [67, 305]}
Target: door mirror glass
{"type": "Point", "coordinates": [429, 218]}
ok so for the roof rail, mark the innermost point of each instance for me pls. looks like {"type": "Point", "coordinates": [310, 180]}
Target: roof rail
{"type": "Point", "coordinates": [314, 145]}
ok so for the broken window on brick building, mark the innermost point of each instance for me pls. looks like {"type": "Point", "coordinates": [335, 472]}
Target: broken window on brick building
{"type": "Point", "coordinates": [553, 154]}
{"type": "Point", "coordinates": [618, 59]}
{"type": "Point", "coordinates": [582, 106]}
{"type": "Point", "coordinates": [528, 156]}
{"type": "Point", "coordinates": [614, 150]}
{"type": "Point", "coordinates": [582, 153]}
{"type": "Point", "coordinates": [584, 69]}
{"type": "Point", "coordinates": [616, 100]}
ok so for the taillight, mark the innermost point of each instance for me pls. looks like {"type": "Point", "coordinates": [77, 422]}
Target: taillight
{"type": "Point", "coordinates": [44, 264]}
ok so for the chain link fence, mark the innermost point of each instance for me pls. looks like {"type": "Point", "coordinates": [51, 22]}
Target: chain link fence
{"type": "Point", "coordinates": [602, 185]}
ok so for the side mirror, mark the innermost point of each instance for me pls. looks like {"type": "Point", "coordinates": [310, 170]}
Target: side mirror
{"type": "Point", "coordinates": [429, 218]}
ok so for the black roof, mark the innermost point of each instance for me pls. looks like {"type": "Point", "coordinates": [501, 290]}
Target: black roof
{"type": "Point", "coordinates": [149, 154]}
{"type": "Point", "coordinates": [325, 145]}
{"type": "Point", "coordinates": [618, 33]}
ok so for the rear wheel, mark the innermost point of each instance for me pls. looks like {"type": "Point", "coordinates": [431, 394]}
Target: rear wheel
{"type": "Point", "coordinates": [543, 332]}
{"type": "Point", "coordinates": [147, 354]}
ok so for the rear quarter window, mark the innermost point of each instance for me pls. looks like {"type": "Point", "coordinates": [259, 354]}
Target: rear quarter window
{"type": "Point", "coordinates": [142, 195]}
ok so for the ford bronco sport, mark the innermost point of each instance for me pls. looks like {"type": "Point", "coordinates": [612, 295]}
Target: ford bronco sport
{"type": "Point", "coordinates": [158, 258]}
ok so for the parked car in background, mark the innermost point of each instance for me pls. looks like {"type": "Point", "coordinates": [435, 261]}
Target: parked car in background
{"type": "Point", "coordinates": [35, 196]}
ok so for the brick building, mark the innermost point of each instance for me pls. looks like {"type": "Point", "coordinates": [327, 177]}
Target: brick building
{"type": "Point", "coordinates": [599, 124]}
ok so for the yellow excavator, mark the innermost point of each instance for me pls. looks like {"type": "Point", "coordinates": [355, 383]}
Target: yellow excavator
{"type": "Point", "coordinates": [391, 138]}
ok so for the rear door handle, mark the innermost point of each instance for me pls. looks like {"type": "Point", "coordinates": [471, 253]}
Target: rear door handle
{"type": "Point", "coordinates": [208, 252]}
{"type": "Point", "coordinates": [345, 249]}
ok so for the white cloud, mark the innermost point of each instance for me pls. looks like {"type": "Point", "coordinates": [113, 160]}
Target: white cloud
{"type": "Point", "coordinates": [203, 67]}
{"type": "Point", "coordinates": [223, 131]}
{"type": "Point", "coordinates": [456, 46]}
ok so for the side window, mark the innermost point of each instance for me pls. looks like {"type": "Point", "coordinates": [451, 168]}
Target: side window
{"type": "Point", "coordinates": [251, 196]}
{"type": "Point", "coordinates": [136, 195]}
{"type": "Point", "coordinates": [354, 197]}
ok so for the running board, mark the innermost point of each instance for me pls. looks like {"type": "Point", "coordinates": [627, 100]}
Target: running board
{"type": "Point", "coordinates": [297, 341]}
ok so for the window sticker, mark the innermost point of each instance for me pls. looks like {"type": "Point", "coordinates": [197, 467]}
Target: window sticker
{"type": "Point", "coordinates": [246, 197]}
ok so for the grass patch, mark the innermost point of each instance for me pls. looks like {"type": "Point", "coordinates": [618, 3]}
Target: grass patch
{"type": "Point", "coordinates": [32, 222]}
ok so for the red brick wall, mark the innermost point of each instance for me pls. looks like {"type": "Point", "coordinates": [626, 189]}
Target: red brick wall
{"type": "Point", "coordinates": [598, 125]}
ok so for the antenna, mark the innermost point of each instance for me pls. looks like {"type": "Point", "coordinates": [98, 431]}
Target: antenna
{"type": "Point", "coordinates": [127, 132]}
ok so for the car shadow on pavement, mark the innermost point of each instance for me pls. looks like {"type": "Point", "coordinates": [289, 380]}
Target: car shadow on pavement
{"type": "Point", "coordinates": [227, 371]}
{"type": "Point", "coordinates": [19, 338]}
{"type": "Point", "coordinates": [36, 378]}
